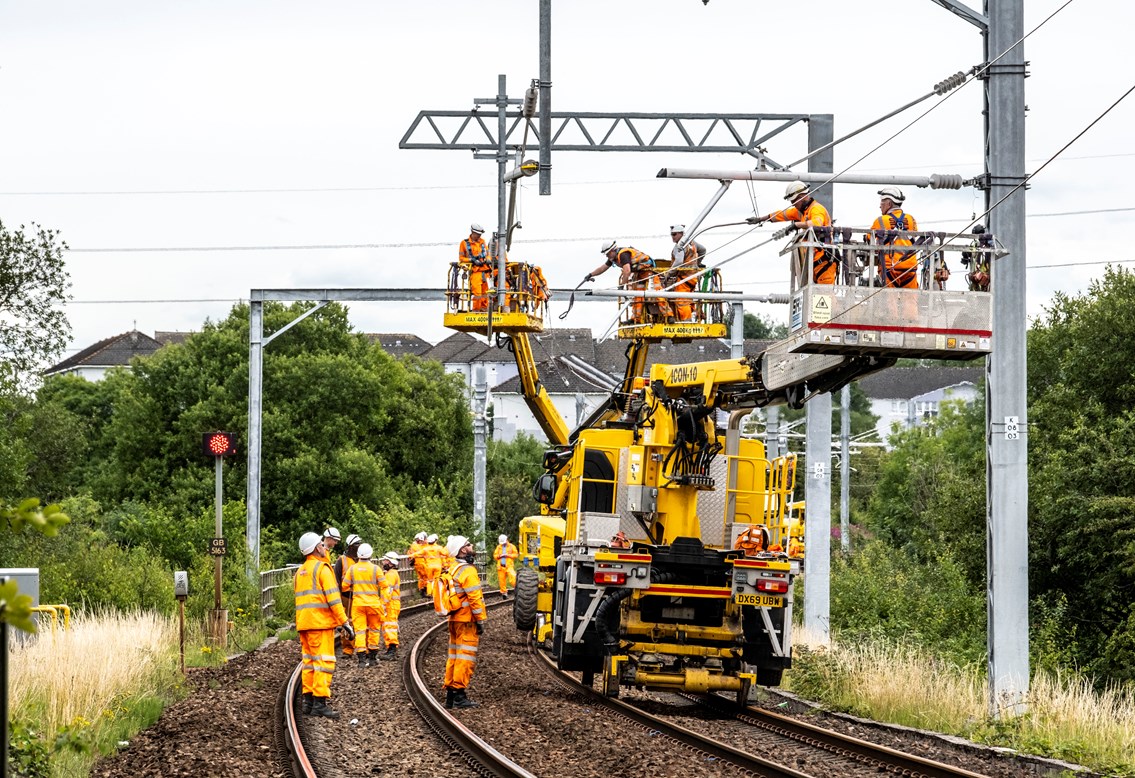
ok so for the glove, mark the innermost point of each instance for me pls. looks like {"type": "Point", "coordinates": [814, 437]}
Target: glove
{"type": "Point", "coordinates": [756, 220]}
{"type": "Point", "coordinates": [349, 630]}
{"type": "Point", "coordinates": [588, 277]}
{"type": "Point", "coordinates": [480, 628]}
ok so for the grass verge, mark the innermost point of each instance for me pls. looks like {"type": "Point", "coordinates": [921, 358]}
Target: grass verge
{"type": "Point", "coordinates": [1067, 717]}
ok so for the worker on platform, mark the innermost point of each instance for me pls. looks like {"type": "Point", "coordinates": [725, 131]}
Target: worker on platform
{"type": "Point", "coordinates": [805, 213]}
{"type": "Point", "coordinates": [435, 562]}
{"type": "Point", "coordinates": [636, 271]}
{"type": "Point", "coordinates": [362, 581]}
{"type": "Point", "coordinates": [319, 612]}
{"type": "Point", "coordinates": [683, 271]}
{"type": "Point", "coordinates": [466, 622]}
{"type": "Point", "coordinates": [506, 555]}
{"type": "Point", "coordinates": [900, 268]}
{"type": "Point", "coordinates": [417, 556]}
{"type": "Point", "coordinates": [342, 566]}
{"type": "Point", "coordinates": [473, 256]}
{"type": "Point", "coordinates": [753, 540]}
{"type": "Point", "coordinates": [391, 592]}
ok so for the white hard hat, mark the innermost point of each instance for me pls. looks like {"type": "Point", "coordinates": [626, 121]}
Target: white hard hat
{"type": "Point", "coordinates": [677, 228]}
{"type": "Point", "coordinates": [308, 542]}
{"type": "Point", "coordinates": [420, 536]}
{"type": "Point", "coordinates": [795, 189]}
{"type": "Point", "coordinates": [332, 533]}
{"type": "Point", "coordinates": [391, 556]}
{"type": "Point", "coordinates": [353, 539]}
{"type": "Point", "coordinates": [502, 539]}
{"type": "Point", "coordinates": [892, 193]}
{"type": "Point", "coordinates": [608, 246]}
{"type": "Point", "coordinates": [366, 551]}
{"type": "Point", "coordinates": [432, 538]}
{"type": "Point", "coordinates": [477, 228]}
{"type": "Point", "coordinates": [454, 544]}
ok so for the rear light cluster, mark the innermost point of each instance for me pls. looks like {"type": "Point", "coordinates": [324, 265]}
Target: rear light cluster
{"type": "Point", "coordinates": [772, 585]}
{"type": "Point", "coordinates": [618, 579]}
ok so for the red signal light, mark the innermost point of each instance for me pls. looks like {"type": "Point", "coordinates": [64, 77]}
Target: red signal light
{"type": "Point", "coordinates": [219, 444]}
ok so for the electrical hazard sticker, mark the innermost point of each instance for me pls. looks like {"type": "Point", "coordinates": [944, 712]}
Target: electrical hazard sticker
{"type": "Point", "coordinates": [822, 308]}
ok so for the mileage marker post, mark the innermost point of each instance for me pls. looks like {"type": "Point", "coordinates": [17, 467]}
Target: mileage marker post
{"type": "Point", "coordinates": [218, 445]}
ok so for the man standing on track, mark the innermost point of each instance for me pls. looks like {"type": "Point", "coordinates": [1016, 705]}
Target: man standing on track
{"type": "Point", "coordinates": [391, 591]}
{"type": "Point", "coordinates": [342, 566]}
{"type": "Point", "coordinates": [466, 622]}
{"type": "Point", "coordinates": [435, 562]}
{"type": "Point", "coordinates": [505, 555]}
{"type": "Point", "coordinates": [417, 555]}
{"type": "Point", "coordinates": [319, 611]}
{"type": "Point", "coordinates": [362, 580]}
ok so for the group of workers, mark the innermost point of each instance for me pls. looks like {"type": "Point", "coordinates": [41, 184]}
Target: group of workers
{"type": "Point", "coordinates": [351, 594]}
{"type": "Point", "coordinates": [528, 289]}
{"type": "Point", "coordinates": [362, 600]}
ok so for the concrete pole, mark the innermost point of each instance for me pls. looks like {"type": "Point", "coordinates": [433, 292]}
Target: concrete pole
{"type": "Point", "coordinates": [1007, 422]}
{"type": "Point", "coordinates": [255, 401]}
{"type": "Point", "coordinates": [480, 451]}
{"type": "Point", "coordinates": [818, 446]}
{"type": "Point", "coordinates": [845, 469]}
{"type": "Point", "coordinates": [545, 97]}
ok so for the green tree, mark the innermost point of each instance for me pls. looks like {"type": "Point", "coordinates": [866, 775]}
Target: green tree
{"type": "Point", "coordinates": [33, 285]}
{"type": "Point", "coordinates": [511, 469]}
{"type": "Point", "coordinates": [763, 328]}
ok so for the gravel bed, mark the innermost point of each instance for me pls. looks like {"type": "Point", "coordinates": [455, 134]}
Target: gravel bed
{"type": "Point", "coordinates": [223, 728]}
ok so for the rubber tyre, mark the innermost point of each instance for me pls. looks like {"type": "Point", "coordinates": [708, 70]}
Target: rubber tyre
{"type": "Point", "coordinates": [769, 676]}
{"type": "Point", "coordinates": [524, 601]}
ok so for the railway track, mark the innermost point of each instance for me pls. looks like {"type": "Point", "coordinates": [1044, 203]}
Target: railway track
{"type": "Point", "coordinates": [708, 735]}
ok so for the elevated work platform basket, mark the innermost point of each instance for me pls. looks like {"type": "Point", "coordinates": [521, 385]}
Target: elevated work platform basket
{"type": "Point", "coordinates": [472, 298]}
{"type": "Point", "coordinates": [680, 320]}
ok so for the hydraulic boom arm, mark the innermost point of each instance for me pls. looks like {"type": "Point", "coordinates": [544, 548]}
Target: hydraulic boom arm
{"type": "Point", "coordinates": [545, 412]}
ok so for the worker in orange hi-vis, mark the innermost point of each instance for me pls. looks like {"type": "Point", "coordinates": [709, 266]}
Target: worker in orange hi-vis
{"type": "Point", "coordinates": [435, 562]}
{"type": "Point", "coordinates": [319, 611]}
{"type": "Point", "coordinates": [636, 271]}
{"type": "Point", "coordinates": [752, 540]}
{"type": "Point", "coordinates": [804, 213]}
{"type": "Point", "coordinates": [417, 555]}
{"type": "Point", "coordinates": [466, 607]}
{"type": "Point", "coordinates": [506, 555]}
{"type": "Point", "coordinates": [362, 580]}
{"type": "Point", "coordinates": [391, 592]}
{"type": "Point", "coordinates": [900, 268]}
{"type": "Point", "coordinates": [683, 271]}
{"type": "Point", "coordinates": [473, 254]}
{"type": "Point", "coordinates": [342, 566]}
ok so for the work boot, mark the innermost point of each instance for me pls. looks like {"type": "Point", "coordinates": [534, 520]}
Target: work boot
{"type": "Point", "coordinates": [307, 703]}
{"type": "Point", "coordinates": [372, 657]}
{"type": "Point", "coordinates": [320, 708]}
{"type": "Point", "coordinates": [423, 593]}
{"type": "Point", "coordinates": [362, 659]}
{"type": "Point", "coordinates": [391, 652]}
{"type": "Point", "coordinates": [449, 696]}
{"type": "Point", "coordinates": [461, 700]}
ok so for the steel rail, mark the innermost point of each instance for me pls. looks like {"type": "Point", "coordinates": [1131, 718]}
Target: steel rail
{"type": "Point", "coordinates": [885, 759]}
{"type": "Point", "coordinates": [294, 752]}
{"type": "Point", "coordinates": [700, 743]}
{"type": "Point", "coordinates": [481, 756]}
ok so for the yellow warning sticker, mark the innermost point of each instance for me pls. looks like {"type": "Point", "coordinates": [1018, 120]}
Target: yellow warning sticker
{"type": "Point", "coordinates": [821, 309]}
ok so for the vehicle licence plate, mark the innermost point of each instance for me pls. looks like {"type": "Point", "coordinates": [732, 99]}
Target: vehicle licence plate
{"type": "Point", "coordinates": [760, 600]}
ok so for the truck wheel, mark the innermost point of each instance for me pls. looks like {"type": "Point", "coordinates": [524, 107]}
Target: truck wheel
{"type": "Point", "coordinates": [769, 676]}
{"type": "Point", "coordinates": [524, 601]}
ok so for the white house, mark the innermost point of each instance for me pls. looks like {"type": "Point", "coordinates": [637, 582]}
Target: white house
{"type": "Point", "coordinates": [910, 396]}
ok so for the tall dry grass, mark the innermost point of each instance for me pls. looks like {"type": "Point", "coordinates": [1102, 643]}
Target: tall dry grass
{"type": "Point", "coordinates": [1067, 718]}
{"type": "Point", "coordinates": [77, 677]}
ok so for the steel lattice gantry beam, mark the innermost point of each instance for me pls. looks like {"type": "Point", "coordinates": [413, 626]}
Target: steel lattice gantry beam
{"type": "Point", "coordinates": [473, 130]}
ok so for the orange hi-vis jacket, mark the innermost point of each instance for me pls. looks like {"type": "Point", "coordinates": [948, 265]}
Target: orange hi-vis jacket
{"type": "Point", "coordinates": [474, 253]}
{"type": "Point", "coordinates": [318, 603]}
{"type": "Point", "coordinates": [823, 266]}
{"type": "Point", "coordinates": [900, 266]}
{"type": "Point", "coordinates": [391, 594]}
{"type": "Point", "coordinates": [751, 541]}
{"type": "Point", "coordinates": [506, 555]}
{"type": "Point", "coordinates": [416, 554]}
{"type": "Point", "coordinates": [434, 556]}
{"type": "Point", "coordinates": [468, 601]}
{"type": "Point", "coordinates": [641, 264]}
{"type": "Point", "coordinates": [362, 582]}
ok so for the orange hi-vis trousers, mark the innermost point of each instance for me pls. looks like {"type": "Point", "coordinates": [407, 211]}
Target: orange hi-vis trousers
{"type": "Point", "coordinates": [367, 621]}
{"type": "Point", "coordinates": [318, 646]}
{"type": "Point", "coordinates": [462, 657]}
{"type": "Point", "coordinates": [506, 577]}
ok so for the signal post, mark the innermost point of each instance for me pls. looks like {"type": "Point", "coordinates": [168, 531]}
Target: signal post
{"type": "Point", "coordinates": [218, 445]}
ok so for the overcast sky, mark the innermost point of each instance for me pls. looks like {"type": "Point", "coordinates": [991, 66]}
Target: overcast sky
{"type": "Point", "coordinates": [194, 125]}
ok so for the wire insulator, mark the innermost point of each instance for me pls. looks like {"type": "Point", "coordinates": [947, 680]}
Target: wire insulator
{"type": "Point", "coordinates": [953, 82]}
{"type": "Point", "coordinates": [945, 181]}
{"type": "Point", "coordinates": [530, 102]}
